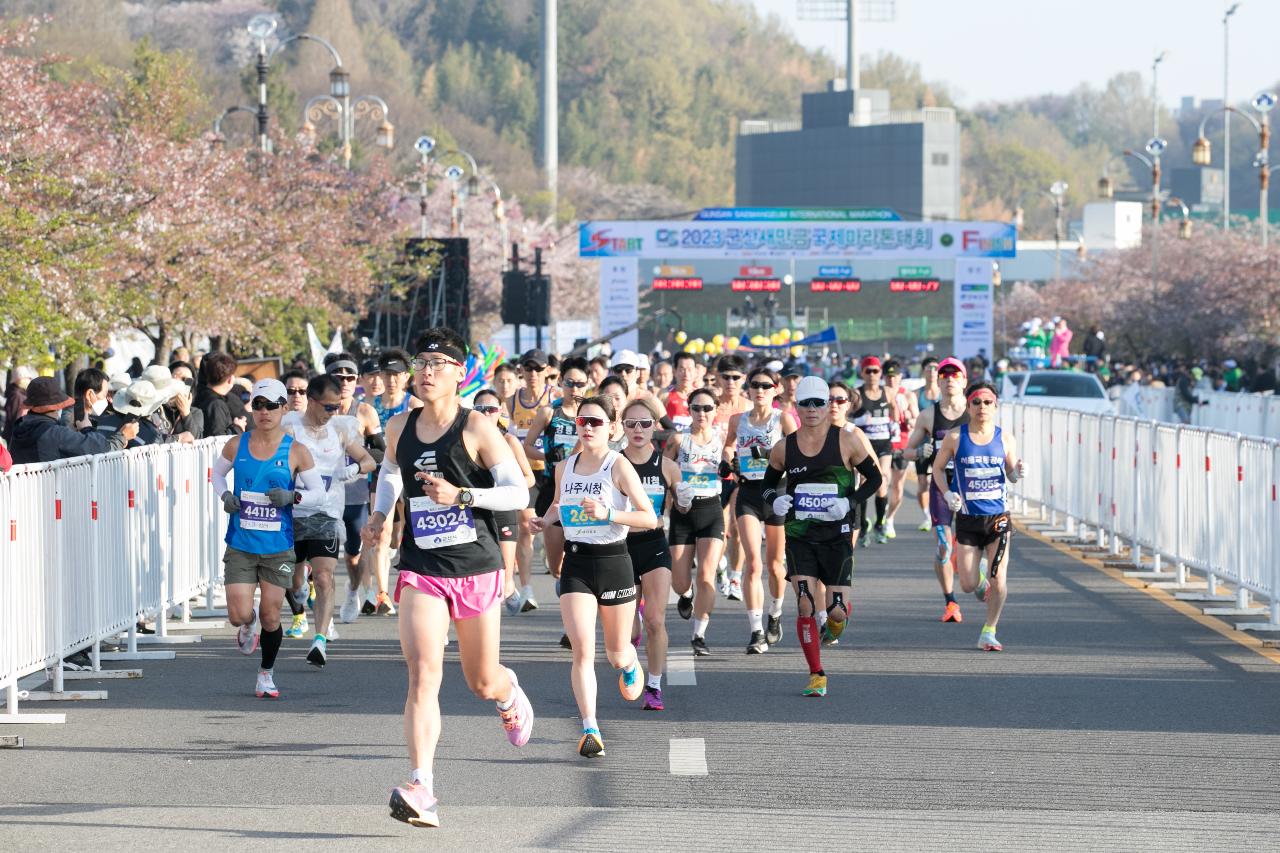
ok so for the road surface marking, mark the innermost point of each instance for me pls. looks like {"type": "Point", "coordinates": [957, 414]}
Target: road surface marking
{"type": "Point", "coordinates": [688, 756]}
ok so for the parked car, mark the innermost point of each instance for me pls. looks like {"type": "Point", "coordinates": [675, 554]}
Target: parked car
{"type": "Point", "coordinates": [1062, 389]}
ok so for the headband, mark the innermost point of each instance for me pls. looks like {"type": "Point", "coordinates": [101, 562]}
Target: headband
{"type": "Point", "coordinates": [342, 364]}
{"type": "Point", "coordinates": [976, 391]}
{"type": "Point", "coordinates": [396, 365]}
{"type": "Point", "coordinates": [446, 350]}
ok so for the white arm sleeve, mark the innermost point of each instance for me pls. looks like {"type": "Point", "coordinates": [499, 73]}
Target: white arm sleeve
{"type": "Point", "coordinates": [221, 468]}
{"type": "Point", "coordinates": [509, 491]}
{"type": "Point", "coordinates": [310, 487]}
{"type": "Point", "coordinates": [390, 485]}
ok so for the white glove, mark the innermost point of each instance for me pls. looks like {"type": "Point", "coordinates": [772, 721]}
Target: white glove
{"type": "Point", "coordinates": [782, 504]}
{"type": "Point", "coordinates": [350, 474]}
{"type": "Point", "coordinates": [953, 501]}
{"type": "Point", "coordinates": [684, 495]}
{"type": "Point", "coordinates": [838, 510]}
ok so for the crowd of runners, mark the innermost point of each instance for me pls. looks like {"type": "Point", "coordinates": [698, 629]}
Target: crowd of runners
{"type": "Point", "coordinates": [721, 482]}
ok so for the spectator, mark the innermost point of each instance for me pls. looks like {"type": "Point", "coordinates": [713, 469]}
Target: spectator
{"type": "Point", "coordinates": [217, 398]}
{"type": "Point", "coordinates": [15, 399]}
{"type": "Point", "coordinates": [93, 395]}
{"type": "Point", "coordinates": [1095, 348]}
{"type": "Point", "coordinates": [1184, 397]}
{"type": "Point", "coordinates": [1232, 375]}
{"type": "Point", "coordinates": [166, 388]}
{"type": "Point", "coordinates": [1060, 344]}
{"type": "Point", "coordinates": [41, 437]}
{"type": "Point", "coordinates": [181, 411]}
{"type": "Point", "coordinates": [1131, 399]}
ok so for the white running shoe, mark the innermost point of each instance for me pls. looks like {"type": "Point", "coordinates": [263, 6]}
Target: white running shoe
{"type": "Point", "coordinates": [527, 601]}
{"type": "Point", "coordinates": [890, 530]}
{"type": "Point", "coordinates": [734, 592]}
{"type": "Point", "coordinates": [925, 526]}
{"type": "Point", "coordinates": [350, 610]}
{"type": "Point", "coordinates": [332, 633]}
{"type": "Point", "coordinates": [266, 686]}
{"type": "Point", "coordinates": [247, 636]}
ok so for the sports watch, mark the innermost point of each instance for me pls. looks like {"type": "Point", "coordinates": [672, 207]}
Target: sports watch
{"type": "Point", "coordinates": [465, 498]}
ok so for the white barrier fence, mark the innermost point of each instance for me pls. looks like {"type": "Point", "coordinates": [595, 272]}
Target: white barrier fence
{"type": "Point", "coordinates": [1189, 499]}
{"type": "Point", "coordinates": [1248, 414]}
{"type": "Point", "coordinates": [94, 545]}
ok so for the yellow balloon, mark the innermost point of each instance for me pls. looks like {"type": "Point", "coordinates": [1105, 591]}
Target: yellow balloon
{"type": "Point", "coordinates": [784, 334]}
{"type": "Point", "coordinates": [713, 348]}
{"type": "Point", "coordinates": [797, 334]}
{"type": "Point", "coordinates": [689, 347]}
{"type": "Point", "coordinates": [718, 340]}
{"type": "Point", "coordinates": [733, 343]}
{"type": "Point", "coordinates": [759, 340]}
{"type": "Point", "coordinates": [681, 337]}
{"type": "Point", "coordinates": [776, 338]}
{"type": "Point", "coordinates": [797, 351]}
{"type": "Point", "coordinates": [699, 345]}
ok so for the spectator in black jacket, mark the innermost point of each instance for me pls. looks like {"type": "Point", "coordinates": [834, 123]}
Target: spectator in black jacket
{"type": "Point", "coordinates": [41, 437]}
{"type": "Point", "coordinates": [218, 397]}
{"type": "Point", "coordinates": [181, 410]}
{"type": "Point", "coordinates": [93, 395]}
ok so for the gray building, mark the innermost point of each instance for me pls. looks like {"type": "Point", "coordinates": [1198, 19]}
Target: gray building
{"type": "Point", "coordinates": [850, 150]}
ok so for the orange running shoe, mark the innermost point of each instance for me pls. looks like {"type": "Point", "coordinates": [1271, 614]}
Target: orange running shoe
{"type": "Point", "coordinates": [952, 613]}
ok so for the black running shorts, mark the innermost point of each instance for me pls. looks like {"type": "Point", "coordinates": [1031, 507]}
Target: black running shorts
{"type": "Point", "coordinates": [508, 524]}
{"type": "Point", "coordinates": [751, 502]}
{"type": "Point", "coordinates": [704, 520]}
{"type": "Point", "coordinates": [979, 531]}
{"type": "Point", "coordinates": [602, 571]}
{"type": "Point", "coordinates": [830, 562]}
{"type": "Point", "coordinates": [648, 551]}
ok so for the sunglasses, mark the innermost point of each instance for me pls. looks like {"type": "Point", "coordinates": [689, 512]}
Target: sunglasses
{"type": "Point", "coordinates": [589, 421]}
{"type": "Point", "coordinates": [574, 383]}
{"type": "Point", "coordinates": [331, 408]}
{"type": "Point", "coordinates": [839, 401]}
{"type": "Point", "coordinates": [638, 423]}
{"type": "Point", "coordinates": [702, 409]}
{"type": "Point", "coordinates": [344, 377]}
{"type": "Point", "coordinates": [488, 410]}
{"type": "Point", "coordinates": [263, 405]}
{"type": "Point", "coordinates": [871, 370]}
{"type": "Point", "coordinates": [732, 377]}
{"type": "Point", "coordinates": [945, 374]}
{"type": "Point", "coordinates": [188, 381]}
{"type": "Point", "coordinates": [762, 386]}
{"type": "Point", "coordinates": [982, 401]}
{"type": "Point", "coordinates": [812, 403]}
{"type": "Point", "coordinates": [296, 392]}
{"type": "Point", "coordinates": [624, 368]}
{"type": "Point", "coordinates": [534, 368]}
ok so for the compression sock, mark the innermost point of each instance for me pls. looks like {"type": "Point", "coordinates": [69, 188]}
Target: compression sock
{"type": "Point", "coordinates": [882, 504]}
{"type": "Point", "coordinates": [807, 630]}
{"type": "Point", "coordinates": [297, 600]}
{"type": "Point", "coordinates": [271, 641]}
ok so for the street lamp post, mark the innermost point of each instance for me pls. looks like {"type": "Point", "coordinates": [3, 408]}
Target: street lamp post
{"type": "Point", "coordinates": [1155, 92]}
{"type": "Point", "coordinates": [340, 105]}
{"type": "Point", "coordinates": [1056, 192]}
{"type": "Point", "coordinates": [458, 192]}
{"type": "Point", "coordinates": [1226, 120]}
{"type": "Point", "coordinates": [1154, 147]}
{"type": "Point", "coordinates": [1202, 150]}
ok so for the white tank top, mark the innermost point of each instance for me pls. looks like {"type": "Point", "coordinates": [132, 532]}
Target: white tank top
{"type": "Point", "coordinates": [755, 442]}
{"type": "Point", "coordinates": [578, 527]}
{"type": "Point", "coordinates": [700, 463]}
{"type": "Point", "coordinates": [327, 450]}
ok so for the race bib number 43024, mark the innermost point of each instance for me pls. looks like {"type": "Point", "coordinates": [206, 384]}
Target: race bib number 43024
{"type": "Point", "coordinates": [436, 526]}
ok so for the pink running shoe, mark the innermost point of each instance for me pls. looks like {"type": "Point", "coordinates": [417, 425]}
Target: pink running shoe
{"type": "Point", "coordinates": [412, 804]}
{"type": "Point", "coordinates": [653, 699]}
{"type": "Point", "coordinates": [518, 719]}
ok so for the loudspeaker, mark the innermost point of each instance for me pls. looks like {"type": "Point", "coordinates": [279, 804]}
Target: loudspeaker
{"type": "Point", "coordinates": [513, 297]}
{"type": "Point", "coordinates": [442, 298]}
{"type": "Point", "coordinates": [526, 298]}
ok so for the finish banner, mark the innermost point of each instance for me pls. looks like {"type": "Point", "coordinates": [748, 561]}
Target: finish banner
{"type": "Point", "coordinates": [799, 240]}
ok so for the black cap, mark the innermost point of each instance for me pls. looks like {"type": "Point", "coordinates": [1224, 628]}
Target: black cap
{"type": "Point", "coordinates": [368, 366]}
{"type": "Point", "coordinates": [791, 368]}
{"type": "Point", "coordinates": [534, 356]}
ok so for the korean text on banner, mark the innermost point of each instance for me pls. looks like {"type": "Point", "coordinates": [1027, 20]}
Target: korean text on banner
{"type": "Point", "coordinates": [974, 325]}
{"type": "Point", "coordinates": [620, 301]}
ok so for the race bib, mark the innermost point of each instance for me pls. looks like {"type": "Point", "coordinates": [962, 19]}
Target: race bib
{"type": "Point", "coordinates": [573, 516]}
{"type": "Point", "coordinates": [750, 467]}
{"type": "Point", "coordinates": [682, 423]}
{"type": "Point", "coordinates": [813, 500]}
{"type": "Point", "coordinates": [436, 526]}
{"type": "Point", "coordinates": [258, 513]}
{"type": "Point", "coordinates": [657, 493]}
{"type": "Point", "coordinates": [705, 484]}
{"type": "Point", "coordinates": [876, 429]}
{"type": "Point", "coordinates": [565, 440]}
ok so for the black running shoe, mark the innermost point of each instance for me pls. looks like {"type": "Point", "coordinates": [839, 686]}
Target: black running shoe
{"type": "Point", "coordinates": [700, 648]}
{"type": "Point", "coordinates": [368, 608]}
{"type": "Point", "coordinates": [773, 630]}
{"type": "Point", "coordinates": [564, 642]}
{"type": "Point", "coordinates": [757, 645]}
{"type": "Point", "coordinates": [684, 606]}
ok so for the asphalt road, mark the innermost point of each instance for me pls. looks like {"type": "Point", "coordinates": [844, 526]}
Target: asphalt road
{"type": "Point", "coordinates": [1110, 722]}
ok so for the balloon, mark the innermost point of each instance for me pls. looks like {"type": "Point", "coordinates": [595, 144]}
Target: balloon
{"type": "Point", "coordinates": [689, 347]}
{"type": "Point", "coordinates": [681, 337]}
{"type": "Point", "coordinates": [718, 340]}
{"type": "Point", "coordinates": [699, 345]}
{"type": "Point", "coordinates": [776, 339]}
{"type": "Point", "coordinates": [759, 340]}
{"type": "Point", "coordinates": [797, 351]}
{"type": "Point", "coordinates": [784, 334]}
{"type": "Point", "coordinates": [713, 348]}
{"type": "Point", "coordinates": [733, 343]}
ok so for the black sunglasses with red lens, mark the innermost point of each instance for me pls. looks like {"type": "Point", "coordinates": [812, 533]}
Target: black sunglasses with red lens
{"type": "Point", "coordinates": [589, 421]}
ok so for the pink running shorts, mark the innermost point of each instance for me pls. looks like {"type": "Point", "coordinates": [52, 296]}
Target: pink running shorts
{"type": "Point", "coordinates": [466, 597]}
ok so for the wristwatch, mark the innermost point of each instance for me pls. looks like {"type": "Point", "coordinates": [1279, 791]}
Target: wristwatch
{"type": "Point", "coordinates": [465, 498]}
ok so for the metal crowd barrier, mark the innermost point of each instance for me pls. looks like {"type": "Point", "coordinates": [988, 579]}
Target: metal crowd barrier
{"type": "Point", "coordinates": [1188, 498]}
{"type": "Point", "coordinates": [92, 546]}
{"type": "Point", "coordinates": [1248, 414]}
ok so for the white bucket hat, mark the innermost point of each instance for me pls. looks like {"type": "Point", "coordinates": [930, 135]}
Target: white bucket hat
{"type": "Point", "coordinates": [141, 398]}
{"type": "Point", "coordinates": [166, 386]}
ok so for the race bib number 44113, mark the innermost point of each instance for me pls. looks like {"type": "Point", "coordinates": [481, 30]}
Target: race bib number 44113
{"type": "Point", "coordinates": [436, 525]}
{"type": "Point", "coordinates": [258, 513]}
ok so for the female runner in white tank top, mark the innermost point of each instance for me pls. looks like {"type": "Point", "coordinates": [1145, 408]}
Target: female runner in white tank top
{"type": "Point", "coordinates": [595, 490]}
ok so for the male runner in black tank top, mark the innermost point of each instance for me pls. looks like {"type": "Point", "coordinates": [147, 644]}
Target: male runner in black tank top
{"type": "Point", "coordinates": [931, 427]}
{"type": "Point", "coordinates": [875, 417]}
{"type": "Point", "coordinates": [455, 470]}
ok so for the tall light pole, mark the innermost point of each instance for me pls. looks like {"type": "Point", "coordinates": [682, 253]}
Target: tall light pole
{"type": "Point", "coordinates": [1202, 150]}
{"type": "Point", "coordinates": [550, 105]}
{"type": "Point", "coordinates": [1226, 120]}
{"type": "Point", "coordinates": [1155, 92]}
{"type": "Point", "coordinates": [339, 104]}
{"type": "Point", "coordinates": [1056, 192]}
{"type": "Point", "coordinates": [1154, 147]}
{"type": "Point", "coordinates": [260, 28]}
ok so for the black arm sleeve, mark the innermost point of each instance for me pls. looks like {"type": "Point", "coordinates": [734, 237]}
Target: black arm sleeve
{"type": "Point", "coordinates": [871, 480]}
{"type": "Point", "coordinates": [666, 422]}
{"type": "Point", "coordinates": [769, 485]}
{"type": "Point", "coordinates": [376, 445]}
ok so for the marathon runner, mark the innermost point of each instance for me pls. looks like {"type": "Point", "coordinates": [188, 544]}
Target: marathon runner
{"type": "Point", "coordinates": [926, 396]}
{"type": "Point", "coordinates": [875, 418]}
{"type": "Point", "coordinates": [488, 403]}
{"type": "Point", "coordinates": [650, 553]}
{"type": "Point", "coordinates": [751, 437]}
{"type": "Point", "coordinates": [985, 460]}
{"type": "Point", "coordinates": [593, 489]}
{"type": "Point", "coordinates": [818, 460]}
{"type": "Point", "coordinates": [933, 425]}
{"type": "Point", "coordinates": [455, 471]}
{"type": "Point", "coordinates": [522, 407]}
{"type": "Point", "coordinates": [905, 405]}
{"type": "Point", "coordinates": [731, 374]}
{"type": "Point", "coordinates": [698, 522]}
{"type": "Point", "coordinates": [268, 467]}
{"type": "Point", "coordinates": [331, 439]}
{"type": "Point", "coordinates": [295, 385]}
{"type": "Point", "coordinates": [686, 381]}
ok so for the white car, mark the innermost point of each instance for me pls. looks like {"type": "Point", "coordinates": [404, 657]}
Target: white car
{"type": "Point", "coordinates": [1061, 389]}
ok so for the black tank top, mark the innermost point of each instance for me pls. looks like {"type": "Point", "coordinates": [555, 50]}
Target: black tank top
{"type": "Point", "coordinates": [814, 481]}
{"type": "Point", "coordinates": [943, 425]}
{"type": "Point", "coordinates": [872, 417]}
{"type": "Point", "coordinates": [655, 486]}
{"type": "Point", "coordinates": [440, 541]}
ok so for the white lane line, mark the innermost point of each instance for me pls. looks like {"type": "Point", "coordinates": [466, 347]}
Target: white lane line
{"type": "Point", "coordinates": [680, 670]}
{"type": "Point", "coordinates": [688, 756]}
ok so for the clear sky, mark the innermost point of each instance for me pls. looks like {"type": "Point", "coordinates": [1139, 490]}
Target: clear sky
{"type": "Point", "coordinates": [999, 50]}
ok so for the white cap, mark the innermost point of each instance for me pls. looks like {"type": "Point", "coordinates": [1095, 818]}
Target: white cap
{"type": "Point", "coordinates": [626, 356]}
{"type": "Point", "coordinates": [812, 388]}
{"type": "Point", "coordinates": [642, 361]}
{"type": "Point", "coordinates": [774, 365]}
{"type": "Point", "coordinates": [271, 390]}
